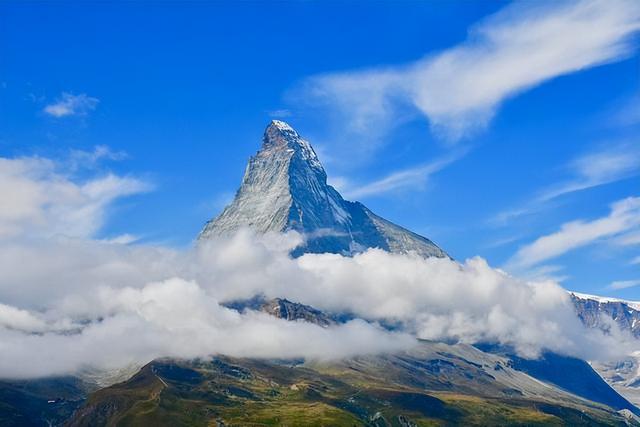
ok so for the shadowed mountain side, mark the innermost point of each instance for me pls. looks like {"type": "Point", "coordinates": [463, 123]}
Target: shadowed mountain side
{"type": "Point", "coordinates": [41, 402]}
{"type": "Point", "coordinates": [567, 373]}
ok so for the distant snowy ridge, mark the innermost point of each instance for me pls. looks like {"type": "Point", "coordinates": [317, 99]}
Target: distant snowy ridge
{"type": "Point", "coordinates": [597, 312]}
{"type": "Point", "coordinates": [635, 305]}
{"type": "Point", "coordinates": [285, 188]}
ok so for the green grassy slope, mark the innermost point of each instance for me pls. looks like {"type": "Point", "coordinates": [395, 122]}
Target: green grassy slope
{"type": "Point", "coordinates": [240, 392]}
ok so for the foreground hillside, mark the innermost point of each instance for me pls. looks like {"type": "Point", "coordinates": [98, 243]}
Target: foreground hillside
{"type": "Point", "coordinates": [437, 384]}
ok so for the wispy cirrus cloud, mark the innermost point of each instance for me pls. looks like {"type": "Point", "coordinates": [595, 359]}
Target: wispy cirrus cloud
{"type": "Point", "coordinates": [409, 178]}
{"type": "Point", "coordinates": [79, 159]}
{"type": "Point", "coordinates": [614, 162]}
{"type": "Point", "coordinates": [623, 284]}
{"type": "Point", "coordinates": [629, 239]}
{"type": "Point", "coordinates": [629, 114]}
{"type": "Point", "coordinates": [460, 89]}
{"type": "Point", "coordinates": [69, 104]}
{"type": "Point", "coordinates": [623, 217]}
{"type": "Point", "coordinates": [280, 113]}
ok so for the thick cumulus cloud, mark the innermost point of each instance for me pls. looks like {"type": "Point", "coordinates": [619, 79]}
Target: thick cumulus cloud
{"type": "Point", "coordinates": [76, 304]}
{"type": "Point", "coordinates": [107, 306]}
{"type": "Point", "coordinates": [173, 318]}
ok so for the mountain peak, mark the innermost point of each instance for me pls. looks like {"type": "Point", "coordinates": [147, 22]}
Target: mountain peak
{"type": "Point", "coordinates": [285, 188]}
{"type": "Point", "coordinates": [279, 133]}
{"type": "Point", "coordinates": [281, 136]}
{"type": "Point", "coordinates": [282, 126]}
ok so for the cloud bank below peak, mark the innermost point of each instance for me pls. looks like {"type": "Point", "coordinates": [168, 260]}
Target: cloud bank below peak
{"type": "Point", "coordinates": [460, 89]}
{"type": "Point", "coordinates": [127, 305]}
{"type": "Point", "coordinates": [73, 303]}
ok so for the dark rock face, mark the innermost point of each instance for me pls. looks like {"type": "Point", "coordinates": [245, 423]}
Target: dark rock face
{"type": "Point", "coordinates": [285, 188]}
{"type": "Point", "coordinates": [285, 309]}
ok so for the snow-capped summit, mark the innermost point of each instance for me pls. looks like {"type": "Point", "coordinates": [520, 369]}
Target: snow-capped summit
{"type": "Point", "coordinates": [285, 188]}
{"type": "Point", "coordinates": [279, 135]}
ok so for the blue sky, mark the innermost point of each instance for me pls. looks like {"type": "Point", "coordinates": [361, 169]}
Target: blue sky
{"type": "Point", "coordinates": [505, 130]}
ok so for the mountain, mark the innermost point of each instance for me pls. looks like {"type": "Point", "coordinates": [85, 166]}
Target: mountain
{"type": "Point", "coordinates": [595, 312]}
{"type": "Point", "coordinates": [41, 402]}
{"type": "Point", "coordinates": [285, 188]}
{"type": "Point", "coordinates": [599, 312]}
{"type": "Point", "coordinates": [433, 384]}
{"type": "Point", "coordinates": [282, 308]}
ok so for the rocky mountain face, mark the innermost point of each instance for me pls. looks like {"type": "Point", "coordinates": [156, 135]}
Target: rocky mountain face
{"type": "Point", "coordinates": [285, 188]}
{"type": "Point", "coordinates": [282, 308]}
{"type": "Point", "coordinates": [285, 309]}
{"type": "Point", "coordinates": [605, 313]}
{"type": "Point", "coordinates": [597, 312]}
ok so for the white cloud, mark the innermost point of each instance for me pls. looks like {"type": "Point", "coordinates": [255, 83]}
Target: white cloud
{"type": "Point", "coordinates": [38, 196]}
{"type": "Point", "coordinates": [79, 159]}
{"type": "Point", "coordinates": [122, 239]}
{"type": "Point", "coordinates": [414, 177]}
{"type": "Point", "coordinates": [623, 284]}
{"type": "Point", "coordinates": [628, 239]}
{"type": "Point", "coordinates": [505, 217]}
{"type": "Point", "coordinates": [72, 304]}
{"type": "Point", "coordinates": [544, 272]}
{"type": "Point", "coordinates": [364, 98]}
{"type": "Point", "coordinates": [71, 105]}
{"type": "Point", "coordinates": [636, 260]}
{"type": "Point", "coordinates": [281, 113]}
{"type": "Point", "coordinates": [629, 114]}
{"type": "Point", "coordinates": [177, 318]}
{"type": "Point", "coordinates": [460, 89]}
{"type": "Point", "coordinates": [106, 306]}
{"type": "Point", "coordinates": [22, 320]}
{"type": "Point", "coordinates": [624, 216]}
{"type": "Point", "coordinates": [616, 162]}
